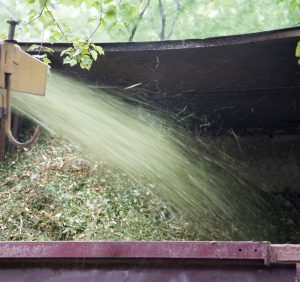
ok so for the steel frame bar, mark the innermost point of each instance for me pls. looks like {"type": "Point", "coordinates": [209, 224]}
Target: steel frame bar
{"type": "Point", "coordinates": [149, 261]}
{"type": "Point", "coordinates": [258, 251]}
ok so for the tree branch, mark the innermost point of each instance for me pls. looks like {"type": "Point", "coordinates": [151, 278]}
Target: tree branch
{"type": "Point", "coordinates": [37, 17]}
{"type": "Point", "coordinates": [96, 29]}
{"type": "Point", "coordinates": [133, 31]}
{"type": "Point", "coordinates": [163, 20]}
{"type": "Point", "coordinates": [99, 23]}
{"type": "Point", "coordinates": [56, 23]}
{"type": "Point", "coordinates": [174, 19]}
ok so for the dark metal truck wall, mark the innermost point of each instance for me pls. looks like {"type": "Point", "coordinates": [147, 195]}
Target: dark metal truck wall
{"type": "Point", "coordinates": [249, 83]}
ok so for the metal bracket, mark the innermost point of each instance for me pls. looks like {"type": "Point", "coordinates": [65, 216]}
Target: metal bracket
{"type": "Point", "coordinates": [297, 272]}
{"type": "Point", "coordinates": [11, 31]}
{"type": "Point", "coordinates": [286, 254]}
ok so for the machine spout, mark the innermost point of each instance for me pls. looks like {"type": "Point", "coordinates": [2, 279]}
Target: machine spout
{"type": "Point", "coordinates": [19, 72]}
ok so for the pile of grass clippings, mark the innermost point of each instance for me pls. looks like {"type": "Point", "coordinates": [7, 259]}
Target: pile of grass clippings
{"type": "Point", "coordinates": [203, 184]}
{"type": "Point", "coordinates": [61, 196]}
{"type": "Point", "coordinates": [50, 192]}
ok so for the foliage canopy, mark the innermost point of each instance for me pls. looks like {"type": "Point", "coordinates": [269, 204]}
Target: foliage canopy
{"type": "Point", "coordinates": [115, 20]}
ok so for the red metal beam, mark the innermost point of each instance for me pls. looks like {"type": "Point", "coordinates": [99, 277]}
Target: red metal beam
{"type": "Point", "coordinates": [162, 250]}
{"type": "Point", "coordinates": [149, 261]}
{"type": "Point", "coordinates": [285, 253]}
{"type": "Point", "coordinates": [270, 253]}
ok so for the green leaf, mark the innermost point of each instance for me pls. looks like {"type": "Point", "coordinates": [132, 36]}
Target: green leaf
{"type": "Point", "coordinates": [298, 50]}
{"type": "Point", "coordinates": [30, 1]}
{"type": "Point", "coordinates": [48, 50]}
{"type": "Point", "coordinates": [43, 3]}
{"type": "Point", "coordinates": [86, 62]}
{"type": "Point", "coordinates": [81, 42]}
{"type": "Point", "coordinates": [31, 15]}
{"type": "Point", "coordinates": [77, 52]}
{"type": "Point", "coordinates": [55, 35]}
{"type": "Point", "coordinates": [33, 47]}
{"type": "Point", "coordinates": [46, 19]}
{"type": "Point", "coordinates": [67, 60]}
{"type": "Point", "coordinates": [111, 11]}
{"type": "Point", "coordinates": [94, 54]}
{"type": "Point", "coordinates": [99, 50]}
{"type": "Point", "coordinates": [66, 27]}
{"type": "Point", "coordinates": [73, 62]}
{"type": "Point", "coordinates": [293, 5]}
{"type": "Point", "coordinates": [97, 4]}
{"type": "Point", "coordinates": [66, 51]}
{"type": "Point", "coordinates": [46, 60]}
{"type": "Point", "coordinates": [92, 19]}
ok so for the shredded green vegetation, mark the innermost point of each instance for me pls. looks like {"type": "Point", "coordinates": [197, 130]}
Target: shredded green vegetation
{"type": "Point", "coordinates": [218, 196]}
{"type": "Point", "coordinates": [51, 193]}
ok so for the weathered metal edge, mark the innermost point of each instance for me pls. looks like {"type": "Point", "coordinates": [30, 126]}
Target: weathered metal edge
{"type": "Point", "coordinates": [137, 249]}
{"type": "Point", "coordinates": [284, 253]}
{"type": "Point", "coordinates": [293, 32]}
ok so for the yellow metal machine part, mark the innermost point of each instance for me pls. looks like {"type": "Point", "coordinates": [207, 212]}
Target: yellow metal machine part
{"type": "Point", "coordinates": [27, 74]}
{"type": "Point", "coordinates": [19, 72]}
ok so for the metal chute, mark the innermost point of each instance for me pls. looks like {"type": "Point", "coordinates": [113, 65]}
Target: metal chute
{"type": "Point", "coordinates": [19, 72]}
